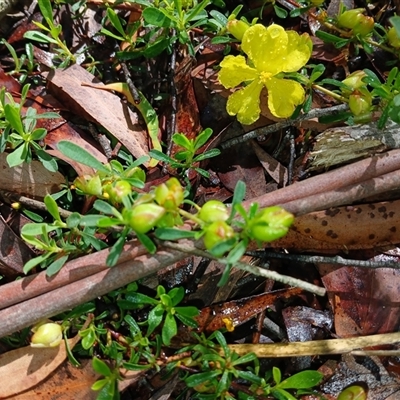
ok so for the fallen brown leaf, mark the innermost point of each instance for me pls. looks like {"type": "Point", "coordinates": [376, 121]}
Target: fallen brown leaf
{"type": "Point", "coordinates": [98, 106]}
{"type": "Point", "coordinates": [32, 180]}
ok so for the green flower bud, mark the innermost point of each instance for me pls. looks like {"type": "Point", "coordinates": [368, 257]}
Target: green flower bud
{"type": "Point", "coordinates": [117, 190]}
{"type": "Point", "coordinates": [350, 18]}
{"type": "Point", "coordinates": [135, 172]}
{"type": "Point", "coordinates": [143, 217]}
{"type": "Point", "coordinates": [270, 224]}
{"type": "Point", "coordinates": [393, 38]}
{"type": "Point", "coordinates": [354, 392]}
{"type": "Point", "coordinates": [169, 194]}
{"type": "Point", "coordinates": [237, 28]}
{"type": "Point", "coordinates": [354, 81]}
{"type": "Point", "coordinates": [365, 26]}
{"type": "Point", "coordinates": [212, 211]}
{"type": "Point", "coordinates": [217, 232]}
{"type": "Point", "coordinates": [357, 21]}
{"type": "Point", "coordinates": [89, 185]}
{"type": "Point", "coordinates": [46, 335]}
{"type": "Point", "coordinates": [360, 103]}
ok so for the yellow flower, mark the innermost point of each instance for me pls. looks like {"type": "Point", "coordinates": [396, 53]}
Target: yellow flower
{"type": "Point", "coordinates": [271, 51]}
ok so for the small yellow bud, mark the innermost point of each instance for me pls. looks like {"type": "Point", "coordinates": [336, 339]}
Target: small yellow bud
{"type": "Point", "coordinates": [16, 205]}
{"type": "Point", "coordinates": [48, 334]}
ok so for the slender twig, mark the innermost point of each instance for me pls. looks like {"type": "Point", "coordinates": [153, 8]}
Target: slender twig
{"type": "Point", "coordinates": [326, 260]}
{"type": "Point", "coordinates": [190, 248]}
{"type": "Point", "coordinates": [315, 113]}
{"type": "Point", "coordinates": [315, 347]}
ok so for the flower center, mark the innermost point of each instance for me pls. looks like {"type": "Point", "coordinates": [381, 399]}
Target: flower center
{"type": "Point", "coordinates": [265, 76]}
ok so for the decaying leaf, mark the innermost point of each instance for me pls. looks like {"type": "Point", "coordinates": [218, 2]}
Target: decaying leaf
{"type": "Point", "coordinates": [363, 226]}
{"type": "Point", "coordinates": [24, 368]}
{"type": "Point", "coordinates": [364, 301]}
{"type": "Point", "coordinates": [102, 108]}
{"type": "Point", "coordinates": [233, 313]}
{"type": "Point", "coordinates": [32, 180]}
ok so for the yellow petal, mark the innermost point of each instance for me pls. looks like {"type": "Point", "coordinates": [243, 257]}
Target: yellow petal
{"type": "Point", "coordinates": [284, 96]}
{"type": "Point", "coordinates": [234, 71]}
{"type": "Point", "coordinates": [298, 52]}
{"type": "Point", "coordinates": [246, 103]}
{"type": "Point", "coordinates": [266, 47]}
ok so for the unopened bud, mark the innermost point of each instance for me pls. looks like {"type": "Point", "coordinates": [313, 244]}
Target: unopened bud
{"type": "Point", "coordinates": [237, 28]}
{"type": "Point", "coordinates": [46, 335]}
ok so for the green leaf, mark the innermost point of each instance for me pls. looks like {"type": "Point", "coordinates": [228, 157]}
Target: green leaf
{"type": "Point", "coordinates": [109, 391]}
{"type": "Point", "coordinates": [238, 196]}
{"type": "Point", "coordinates": [39, 37]}
{"type": "Point", "coordinates": [106, 222]}
{"type": "Point", "coordinates": [13, 117]}
{"type": "Point", "coordinates": [202, 377]}
{"type": "Point", "coordinates": [101, 367]}
{"type": "Point", "coordinates": [202, 138]}
{"type": "Point", "coordinates": [47, 160]}
{"type": "Point", "coordinates": [208, 154]}
{"type": "Point", "coordinates": [328, 37]}
{"type": "Point", "coordinates": [280, 12]}
{"type": "Point", "coordinates": [134, 327]}
{"type": "Point", "coordinates": [317, 71]}
{"type": "Point", "coordinates": [18, 156]}
{"type": "Point", "coordinates": [160, 156]}
{"type": "Point", "coordinates": [193, 14]}
{"type": "Point", "coordinates": [32, 229]}
{"type": "Point", "coordinates": [223, 384]}
{"type": "Point", "coordinates": [282, 394]}
{"type": "Point", "coordinates": [156, 17]}
{"type": "Point", "coordinates": [225, 276]}
{"type": "Point", "coordinates": [115, 21]}
{"type": "Point", "coordinates": [105, 208]}
{"type": "Point", "coordinates": [74, 220]}
{"type": "Point", "coordinates": [38, 134]}
{"type": "Point", "coordinates": [188, 321]}
{"type": "Point", "coordinates": [147, 242]}
{"type": "Point", "coordinates": [52, 207]}
{"type": "Point", "coordinates": [33, 262]}
{"type": "Point", "coordinates": [276, 375]}
{"type": "Point", "coordinates": [46, 10]}
{"type": "Point", "coordinates": [157, 47]}
{"type": "Point", "coordinates": [56, 265]}
{"type": "Point", "coordinates": [154, 319]}
{"type": "Point", "coordinates": [78, 153]}
{"type": "Point", "coordinates": [173, 234]}
{"type": "Point", "coordinates": [169, 330]}
{"type": "Point", "coordinates": [141, 299]}
{"type": "Point", "coordinates": [181, 140]}
{"type": "Point", "coordinates": [115, 251]}
{"type": "Point", "coordinates": [296, 12]}
{"type": "Point", "coordinates": [106, 32]}
{"type": "Point", "coordinates": [219, 17]}
{"type": "Point", "coordinates": [247, 358]}
{"type": "Point", "coordinates": [89, 220]}
{"type": "Point", "coordinates": [302, 380]}
{"type": "Point", "coordinates": [99, 384]}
